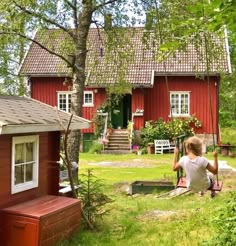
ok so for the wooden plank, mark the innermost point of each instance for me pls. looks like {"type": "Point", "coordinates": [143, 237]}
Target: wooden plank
{"type": "Point", "coordinates": [216, 187]}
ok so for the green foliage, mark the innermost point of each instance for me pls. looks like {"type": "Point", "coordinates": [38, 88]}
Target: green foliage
{"type": "Point", "coordinates": [145, 220]}
{"type": "Point", "coordinates": [96, 147]}
{"type": "Point", "coordinates": [225, 222]}
{"type": "Point", "coordinates": [168, 130]}
{"type": "Point", "coordinates": [228, 136]}
{"type": "Point", "coordinates": [99, 122]}
{"type": "Point", "coordinates": [92, 197]}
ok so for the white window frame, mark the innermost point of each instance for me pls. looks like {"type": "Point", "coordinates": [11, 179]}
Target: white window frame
{"type": "Point", "coordinates": [179, 114]}
{"type": "Point", "coordinates": [88, 104]}
{"type": "Point", "coordinates": [68, 103]}
{"type": "Point", "coordinates": [15, 188]}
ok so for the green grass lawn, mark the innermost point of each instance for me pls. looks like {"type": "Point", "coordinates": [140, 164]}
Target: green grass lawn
{"type": "Point", "coordinates": [145, 219]}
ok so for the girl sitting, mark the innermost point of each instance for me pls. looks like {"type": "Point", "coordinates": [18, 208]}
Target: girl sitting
{"type": "Point", "coordinates": [196, 166]}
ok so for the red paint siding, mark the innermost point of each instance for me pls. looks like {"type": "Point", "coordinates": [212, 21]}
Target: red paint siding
{"type": "Point", "coordinates": [154, 100]}
{"type": "Point", "coordinates": [89, 112]}
{"type": "Point", "coordinates": [138, 103]}
{"type": "Point", "coordinates": [45, 90]}
{"type": "Point", "coordinates": [157, 102]}
{"type": "Point", "coordinates": [47, 156]}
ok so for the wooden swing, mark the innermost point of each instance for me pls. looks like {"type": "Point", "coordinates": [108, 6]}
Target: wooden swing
{"type": "Point", "coordinates": [181, 181]}
{"type": "Point", "coordinates": [217, 186]}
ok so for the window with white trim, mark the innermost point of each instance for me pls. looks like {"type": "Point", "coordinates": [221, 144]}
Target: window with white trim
{"type": "Point", "coordinates": [180, 103]}
{"type": "Point", "coordinates": [25, 163]}
{"type": "Point", "coordinates": [64, 101]}
{"type": "Point", "coordinates": [88, 99]}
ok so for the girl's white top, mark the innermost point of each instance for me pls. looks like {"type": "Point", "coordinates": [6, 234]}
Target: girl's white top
{"type": "Point", "coordinates": [196, 172]}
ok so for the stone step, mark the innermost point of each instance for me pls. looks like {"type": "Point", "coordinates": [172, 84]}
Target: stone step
{"type": "Point", "coordinates": [125, 141]}
{"type": "Point", "coordinates": [119, 135]}
{"type": "Point", "coordinates": [116, 152]}
{"type": "Point", "coordinates": [117, 147]}
{"type": "Point", "coordinates": [118, 139]}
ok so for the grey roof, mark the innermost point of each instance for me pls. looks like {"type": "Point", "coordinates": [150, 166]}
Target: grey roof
{"type": "Point", "coordinates": [25, 115]}
{"type": "Point", "coordinates": [100, 71]}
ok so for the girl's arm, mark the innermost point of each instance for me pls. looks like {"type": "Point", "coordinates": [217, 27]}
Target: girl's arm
{"type": "Point", "coordinates": [175, 164]}
{"type": "Point", "coordinates": [213, 168]}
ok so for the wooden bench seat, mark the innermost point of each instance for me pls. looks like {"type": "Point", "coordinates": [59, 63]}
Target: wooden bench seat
{"type": "Point", "coordinates": [161, 145]}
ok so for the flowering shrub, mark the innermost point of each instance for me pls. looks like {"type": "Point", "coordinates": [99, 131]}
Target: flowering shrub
{"type": "Point", "coordinates": [168, 130]}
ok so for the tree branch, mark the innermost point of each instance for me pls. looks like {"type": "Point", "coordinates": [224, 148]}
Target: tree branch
{"type": "Point", "coordinates": [44, 18]}
{"type": "Point", "coordinates": [104, 4]}
{"type": "Point", "coordinates": [36, 42]}
{"type": "Point", "coordinates": [74, 9]}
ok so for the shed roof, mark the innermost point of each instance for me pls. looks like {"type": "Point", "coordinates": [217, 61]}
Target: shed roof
{"type": "Point", "coordinates": [140, 70]}
{"type": "Point", "coordinates": [25, 115]}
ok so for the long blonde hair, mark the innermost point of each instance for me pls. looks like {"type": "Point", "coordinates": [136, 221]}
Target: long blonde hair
{"type": "Point", "coordinates": [193, 145]}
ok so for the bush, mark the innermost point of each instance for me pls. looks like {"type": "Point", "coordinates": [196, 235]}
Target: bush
{"type": "Point", "coordinates": [96, 147]}
{"type": "Point", "coordinates": [228, 136]}
{"type": "Point", "coordinates": [225, 222]}
{"type": "Point", "coordinates": [168, 130]}
{"type": "Point", "coordinates": [92, 197]}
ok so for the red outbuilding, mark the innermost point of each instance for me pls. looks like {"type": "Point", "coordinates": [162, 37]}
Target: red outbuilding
{"type": "Point", "coordinates": [31, 212]}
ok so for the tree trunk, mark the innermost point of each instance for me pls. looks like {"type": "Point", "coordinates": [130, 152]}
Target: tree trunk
{"type": "Point", "coordinates": [80, 43]}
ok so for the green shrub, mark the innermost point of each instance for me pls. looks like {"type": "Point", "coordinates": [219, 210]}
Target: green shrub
{"type": "Point", "coordinates": [168, 130]}
{"type": "Point", "coordinates": [227, 119]}
{"type": "Point", "coordinates": [92, 197]}
{"type": "Point", "coordinates": [228, 136]}
{"type": "Point", "coordinates": [225, 222]}
{"type": "Point", "coordinates": [96, 147]}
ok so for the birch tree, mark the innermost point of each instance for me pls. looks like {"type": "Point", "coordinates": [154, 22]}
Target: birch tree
{"type": "Point", "coordinates": [71, 17]}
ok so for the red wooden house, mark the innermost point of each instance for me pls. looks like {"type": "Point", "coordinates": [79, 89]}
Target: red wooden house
{"type": "Point", "coordinates": [149, 95]}
{"type": "Point", "coordinates": [31, 211]}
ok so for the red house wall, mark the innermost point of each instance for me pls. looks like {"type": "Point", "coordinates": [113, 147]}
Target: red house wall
{"type": "Point", "coordinates": [138, 103]}
{"type": "Point", "coordinates": [48, 170]}
{"type": "Point", "coordinates": [157, 101]}
{"type": "Point", "coordinates": [45, 90]}
{"type": "Point", "coordinates": [89, 112]}
{"type": "Point", "coordinates": [154, 100]}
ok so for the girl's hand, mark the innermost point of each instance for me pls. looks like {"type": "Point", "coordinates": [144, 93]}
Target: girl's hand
{"type": "Point", "coordinates": [176, 150]}
{"type": "Point", "coordinates": [215, 154]}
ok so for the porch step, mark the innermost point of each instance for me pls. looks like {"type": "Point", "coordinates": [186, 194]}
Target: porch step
{"type": "Point", "coordinates": [117, 147]}
{"type": "Point", "coordinates": [116, 152]}
{"type": "Point", "coordinates": [118, 142]}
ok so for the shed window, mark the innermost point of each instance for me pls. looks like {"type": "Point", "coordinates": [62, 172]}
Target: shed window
{"type": "Point", "coordinates": [64, 101]}
{"type": "Point", "coordinates": [88, 99]}
{"type": "Point", "coordinates": [180, 103]}
{"type": "Point", "coordinates": [25, 163]}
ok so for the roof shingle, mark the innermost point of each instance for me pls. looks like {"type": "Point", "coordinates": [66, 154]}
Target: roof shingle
{"type": "Point", "coordinates": [101, 71]}
{"type": "Point", "coordinates": [21, 115]}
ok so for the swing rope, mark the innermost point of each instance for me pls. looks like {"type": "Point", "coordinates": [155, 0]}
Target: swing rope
{"type": "Point", "coordinates": [179, 172]}
{"type": "Point", "coordinates": [210, 100]}
{"type": "Point", "coordinates": [209, 88]}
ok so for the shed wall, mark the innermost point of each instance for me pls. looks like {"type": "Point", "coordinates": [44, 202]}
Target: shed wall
{"type": "Point", "coordinates": [48, 170]}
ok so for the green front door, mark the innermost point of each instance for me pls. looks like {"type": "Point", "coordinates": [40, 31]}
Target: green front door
{"type": "Point", "coordinates": [121, 112]}
{"type": "Point", "coordinates": [117, 115]}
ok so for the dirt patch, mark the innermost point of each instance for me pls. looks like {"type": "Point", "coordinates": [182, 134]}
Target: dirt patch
{"type": "Point", "coordinates": [156, 214]}
{"type": "Point", "coordinates": [122, 187]}
{"type": "Point", "coordinates": [137, 163]}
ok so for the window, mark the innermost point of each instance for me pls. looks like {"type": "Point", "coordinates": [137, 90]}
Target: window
{"type": "Point", "coordinates": [64, 101]}
{"type": "Point", "coordinates": [180, 103]}
{"type": "Point", "coordinates": [24, 163]}
{"type": "Point", "coordinates": [88, 99]}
